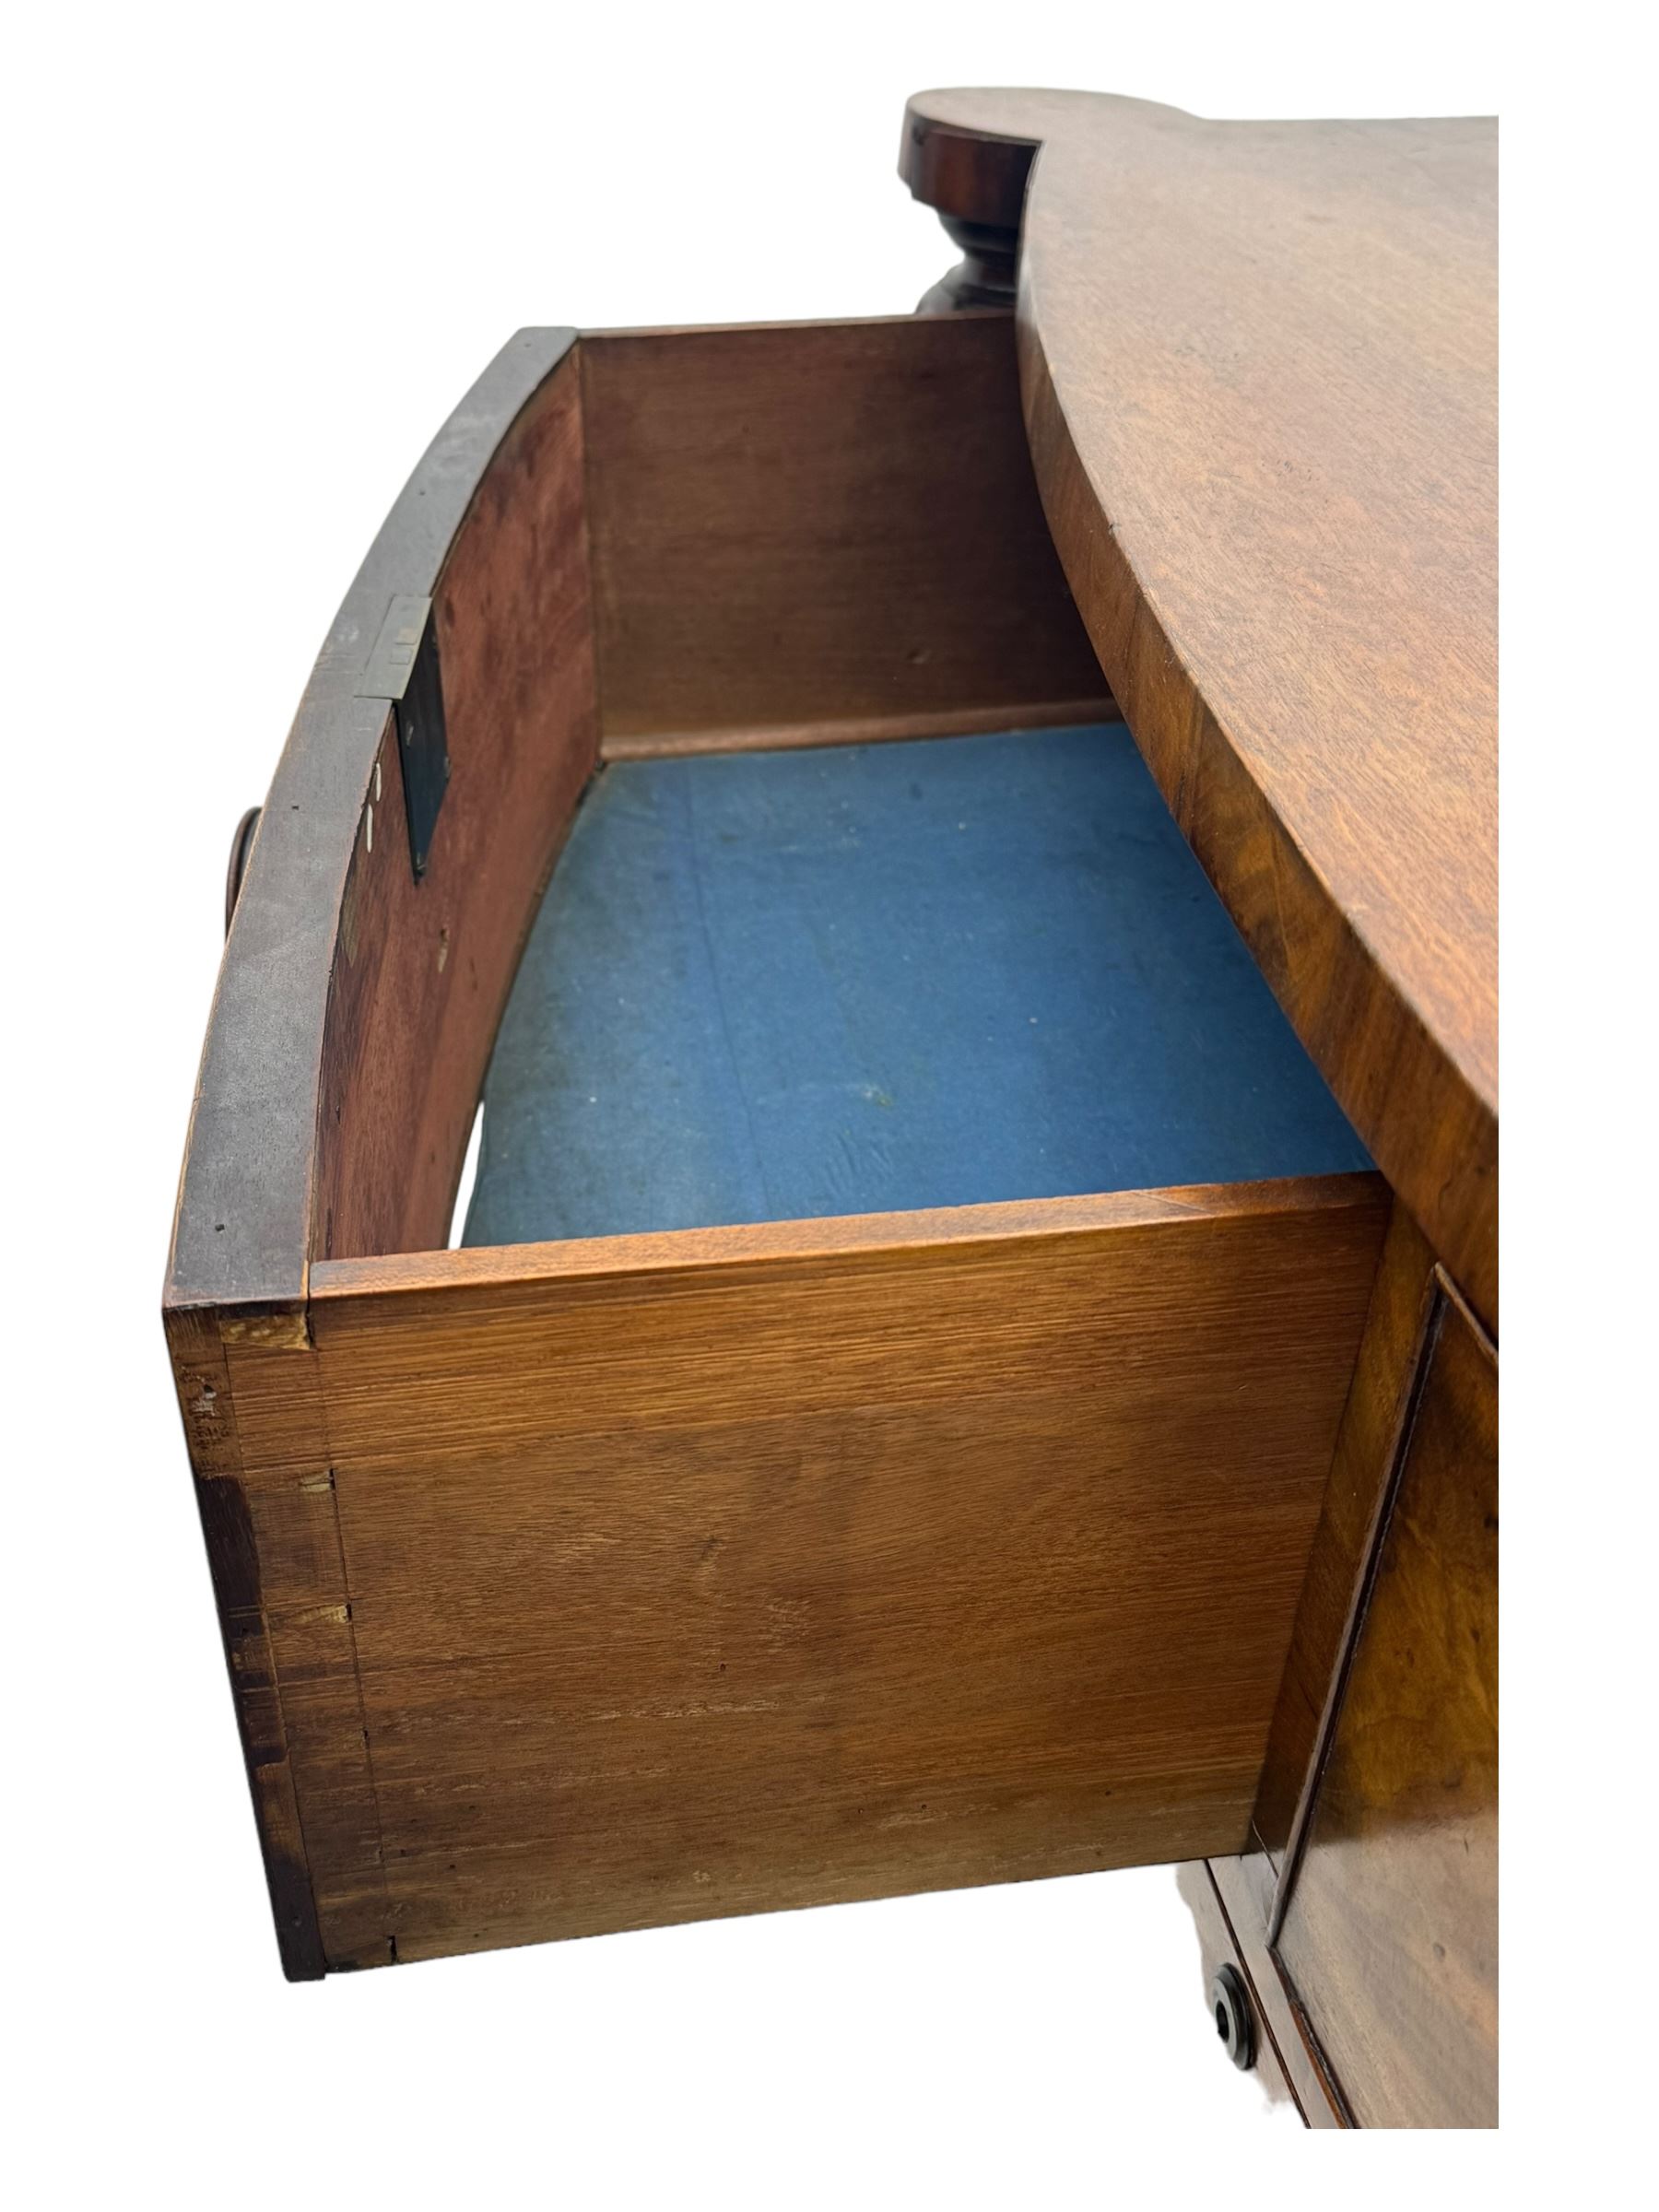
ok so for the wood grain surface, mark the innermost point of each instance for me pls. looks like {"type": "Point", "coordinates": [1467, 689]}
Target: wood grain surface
{"type": "Point", "coordinates": [812, 531]}
{"type": "Point", "coordinates": [242, 1231]}
{"type": "Point", "coordinates": [724, 1571]}
{"type": "Point", "coordinates": [1366, 1452]}
{"type": "Point", "coordinates": [201, 1376]}
{"type": "Point", "coordinates": [1259, 374]}
{"type": "Point", "coordinates": [423, 967]}
{"type": "Point", "coordinates": [1243, 1887]}
{"type": "Point", "coordinates": [607, 1583]}
{"type": "Point", "coordinates": [797, 533]}
{"type": "Point", "coordinates": [1388, 1908]}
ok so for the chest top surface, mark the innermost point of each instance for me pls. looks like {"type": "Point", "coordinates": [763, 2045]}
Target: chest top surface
{"type": "Point", "coordinates": [1259, 371]}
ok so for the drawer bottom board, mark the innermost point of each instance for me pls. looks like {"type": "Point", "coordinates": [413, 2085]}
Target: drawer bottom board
{"type": "Point", "coordinates": [856, 979]}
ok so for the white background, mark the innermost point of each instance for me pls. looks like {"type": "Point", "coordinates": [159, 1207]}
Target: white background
{"type": "Point", "coordinates": [253, 258]}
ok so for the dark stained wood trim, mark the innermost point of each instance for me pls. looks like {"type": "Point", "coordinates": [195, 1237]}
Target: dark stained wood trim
{"type": "Point", "coordinates": [422, 967]}
{"type": "Point", "coordinates": [1243, 1886]}
{"type": "Point", "coordinates": [1399, 2047]}
{"type": "Point", "coordinates": [234, 1305]}
{"type": "Point", "coordinates": [968, 154]}
{"type": "Point", "coordinates": [243, 1240]}
{"type": "Point", "coordinates": [202, 1380]}
{"type": "Point", "coordinates": [1437, 1294]}
{"type": "Point", "coordinates": [1367, 1447]}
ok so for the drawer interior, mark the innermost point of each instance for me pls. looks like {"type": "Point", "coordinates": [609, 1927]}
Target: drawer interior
{"type": "Point", "coordinates": [862, 979]}
{"type": "Point", "coordinates": [872, 1438]}
{"type": "Point", "coordinates": [687, 543]}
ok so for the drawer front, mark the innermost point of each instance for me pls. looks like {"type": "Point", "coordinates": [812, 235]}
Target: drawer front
{"type": "Point", "coordinates": [1389, 1934]}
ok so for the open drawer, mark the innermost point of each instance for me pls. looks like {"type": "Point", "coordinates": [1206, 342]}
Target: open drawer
{"type": "Point", "coordinates": [871, 1437]}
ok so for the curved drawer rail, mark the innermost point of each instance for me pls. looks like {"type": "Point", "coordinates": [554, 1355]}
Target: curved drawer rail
{"type": "Point", "coordinates": [248, 1240]}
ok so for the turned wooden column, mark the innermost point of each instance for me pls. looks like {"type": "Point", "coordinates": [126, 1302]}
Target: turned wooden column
{"type": "Point", "coordinates": [983, 278]}
{"type": "Point", "coordinates": [975, 179]}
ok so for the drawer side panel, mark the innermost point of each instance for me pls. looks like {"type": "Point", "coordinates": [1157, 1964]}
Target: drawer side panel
{"type": "Point", "coordinates": [702, 1583]}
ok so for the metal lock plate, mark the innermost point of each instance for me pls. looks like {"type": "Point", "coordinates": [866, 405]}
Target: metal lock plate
{"type": "Point", "coordinates": [404, 668]}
